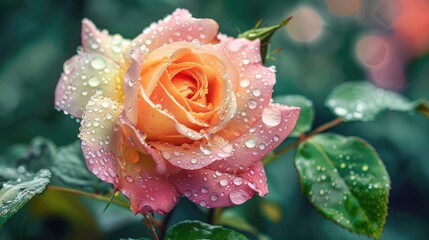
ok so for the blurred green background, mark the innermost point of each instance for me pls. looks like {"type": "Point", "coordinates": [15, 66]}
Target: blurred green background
{"type": "Point", "coordinates": [327, 43]}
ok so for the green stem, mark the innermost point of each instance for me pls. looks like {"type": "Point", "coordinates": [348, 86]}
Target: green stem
{"type": "Point", "coordinates": [291, 146]}
{"type": "Point", "coordinates": [89, 195]}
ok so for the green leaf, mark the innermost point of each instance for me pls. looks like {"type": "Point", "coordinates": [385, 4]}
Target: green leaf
{"type": "Point", "coordinates": [190, 230]}
{"type": "Point", "coordinates": [344, 178]}
{"type": "Point", "coordinates": [69, 168]}
{"type": "Point", "coordinates": [306, 115]}
{"type": "Point", "coordinates": [362, 101]}
{"type": "Point", "coordinates": [235, 218]}
{"type": "Point", "coordinates": [20, 158]}
{"type": "Point", "coordinates": [15, 194]}
{"type": "Point", "coordinates": [66, 164]}
{"type": "Point", "coordinates": [264, 34]}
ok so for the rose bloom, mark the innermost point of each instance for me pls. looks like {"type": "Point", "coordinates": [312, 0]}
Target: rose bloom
{"type": "Point", "coordinates": [179, 110]}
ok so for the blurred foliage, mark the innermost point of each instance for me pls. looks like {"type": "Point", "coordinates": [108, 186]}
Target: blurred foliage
{"type": "Point", "coordinates": [37, 36]}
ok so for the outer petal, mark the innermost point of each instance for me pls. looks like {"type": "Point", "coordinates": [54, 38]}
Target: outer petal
{"type": "Point", "coordinates": [99, 141]}
{"type": "Point", "coordinates": [180, 26]}
{"type": "Point", "coordinates": [113, 47]}
{"type": "Point", "coordinates": [196, 155]}
{"type": "Point", "coordinates": [139, 179]}
{"type": "Point", "coordinates": [253, 89]}
{"type": "Point", "coordinates": [276, 123]}
{"type": "Point", "coordinates": [86, 75]}
{"type": "Point", "coordinates": [211, 189]}
{"type": "Point", "coordinates": [105, 147]}
{"type": "Point", "coordinates": [147, 190]}
{"type": "Point", "coordinates": [137, 140]}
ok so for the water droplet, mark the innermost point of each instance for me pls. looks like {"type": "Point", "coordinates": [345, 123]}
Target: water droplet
{"type": "Point", "coordinates": [204, 190]}
{"type": "Point", "coordinates": [166, 155]}
{"type": "Point", "coordinates": [238, 197]}
{"type": "Point", "coordinates": [237, 181]}
{"type": "Point", "coordinates": [250, 143]}
{"type": "Point", "coordinates": [108, 116]}
{"type": "Point", "coordinates": [258, 76]}
{"type": "Point", "coordinates": [246, 61]}
{"type": "Point", "coordinates": [105, 104]}
{"type": "Point", "coordinates": [256, 92]}
{"type": "Point", "coordinates": [244, 83]}
{"type": "Point", "coordinates": [193, 160]}
{"type": "Point", "coordinates": [214, 197]}
{"type": "Point", "coordinates": [271, 116]}
{"type": "Point", "coordinates": [129, 179]}
{"type": "Point", "coordinates": [98, 63]}
{"type": "Point", "coordinates": [252, 104]}
{"type": "Point", "coordinates": [276, 138]}
{"type": "Point", "coordinates": [94, 82]}
{"type": "Point", "coordinates": [188, 193]}
{"type": "Point", "coordinates": [223, 182]}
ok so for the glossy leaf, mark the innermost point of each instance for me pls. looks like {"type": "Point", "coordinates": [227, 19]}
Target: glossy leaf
{"type": "Point", "coordinates": [15, 194]}
{"type": "Point", "coordinates": [69, 168]}
{"type": "Point", "coordinates": [191, 230]}
{"type": "Point", "coordinates": [264, 34]}
{"type": "Point", "coordinates": [236, 218]}
{"type": "Point", "coordinates": [306, 115]}
{"type": "Point", "coordinates": [344, 178]}
{"type": "Point", "coordinates": [362, 101]}
{"type": "Point", "coordinates": [66, 164]}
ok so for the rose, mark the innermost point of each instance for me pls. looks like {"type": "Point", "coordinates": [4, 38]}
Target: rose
{"type": "Point", "coordinates": [179, 110]}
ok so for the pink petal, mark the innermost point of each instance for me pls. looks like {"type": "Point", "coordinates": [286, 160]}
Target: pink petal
{"type": "Point", "coordinates": [140, 180]}
{"type": "Point", "coordinates": [275, 124]}
{"type": "Point", "coordinates": [148, 192]}
{"type": "Point", "coordinates": [196, 155]}
{"type": "Point", "coordinates": [210, 188]}
{"type": "Point", "coordinates": [85, 75]}
{"type": "Point", "coordinates": [99, 141]}
{"type": "Point", "coordinates": [180, 26]}
{"type": "Point", "coordinates": [256, 178]}
{"type": "Point", "coordinates": [253, 89]}
{"type": "Point", "coordinates": [113, 47]}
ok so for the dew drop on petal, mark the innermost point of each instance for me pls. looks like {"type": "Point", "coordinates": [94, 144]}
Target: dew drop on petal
{"type": "Point", "coordinates": [238, 197]}
{"type": "Point", "coordinates": [256, 92]}
{"type": "Point", "coordinates": [271, 117]}
{"type": "Point", "coordinates": [98, 63]}
{"type": "Point", "coordinates": [237, 181]}
{"type": "Point", "coordinates": [94, 82]}
{"type": "Point", "coordinates": [251, 143]}
{"type": "Point", "coordinates": [129, 179]}
{"type": "Point", "coordinates": [244, 83]}
{"type": "Point", "coordinates": [276, 138]}
{"type": "Point", "coordinates": [252, 104]}
{"type": "Point", "coordinates": [166, 155]}
{"type": "Point", "coordinates": [214, 197]}
{"type": "Point", "coordinates": [223, 182]}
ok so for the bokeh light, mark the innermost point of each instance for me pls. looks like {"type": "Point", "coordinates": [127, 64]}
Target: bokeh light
{"type": "Point", "coordinates": [306, 24]}
{"type": "Point", "coordinates": [343, 8]}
